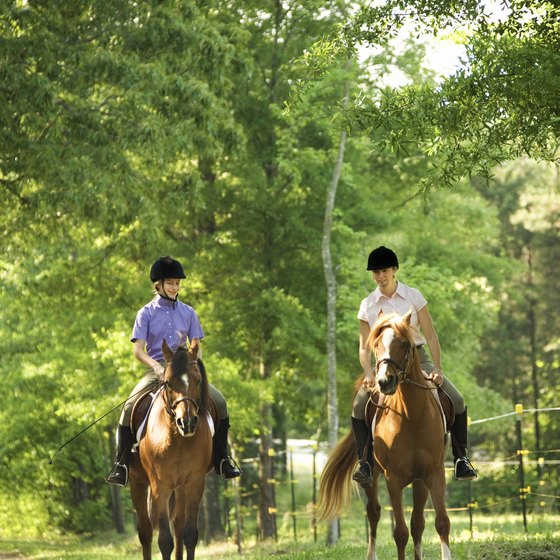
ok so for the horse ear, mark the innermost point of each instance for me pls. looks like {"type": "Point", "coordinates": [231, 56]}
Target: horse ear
{"type": "Point", "coordinates": [407, 316]}
{"type": "Point", "coordinates": [380, 314]}
{"type": "Point", "coordinates": [194, 352]}
{"type": "Point", "coordinates": [167, 353]}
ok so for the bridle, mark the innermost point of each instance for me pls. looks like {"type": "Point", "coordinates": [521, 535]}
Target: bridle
{"type": "Point", "coordinates": [170, 406]}
{"type": "Point", "coordinates": [401, 370]}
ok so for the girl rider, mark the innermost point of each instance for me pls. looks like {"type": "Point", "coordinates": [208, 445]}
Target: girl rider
{"type": "Point", "coordinates": [395, 297]}
{"type": "Point", "coordinates": [166, 317]}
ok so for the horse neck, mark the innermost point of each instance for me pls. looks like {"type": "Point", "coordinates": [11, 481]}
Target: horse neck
{"type": "Point", "coordinates": [414, 371]}
{"type": "Point", "coordinates": [409, 398]}
{"type": "Point", "coordinates": [161, 420]}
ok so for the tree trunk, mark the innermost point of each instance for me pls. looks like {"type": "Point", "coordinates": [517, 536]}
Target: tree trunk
{"type": "Point", "coordinates": [114, 491]}
{"type": "Point", "coordinates": [212, 511]}
{"type": "Point", "coordinates": [330, 280]}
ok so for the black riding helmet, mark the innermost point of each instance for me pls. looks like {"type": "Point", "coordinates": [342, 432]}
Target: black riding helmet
{"type": "Point", "coordinates": [382, 258]}
{"type": "Point", "coordinates": [166, 267]}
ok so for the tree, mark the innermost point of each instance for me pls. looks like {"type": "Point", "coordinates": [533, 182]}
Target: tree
{"type": "Point", "coordinates": [139, 130]}
{"type": "Point", "coordinates": [99, 151]}
{"type": "Point", "coordinates": [527, 194]}
{"type": "Point", "coordinates": [330, 281]}
{"type": "Point", "coordinates": [503, 103]}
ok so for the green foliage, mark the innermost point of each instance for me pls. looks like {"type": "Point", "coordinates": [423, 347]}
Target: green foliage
{"type": "Point", "coordinates": [136, 130]}
{"type": "Point", "coordinates": [502, 105]}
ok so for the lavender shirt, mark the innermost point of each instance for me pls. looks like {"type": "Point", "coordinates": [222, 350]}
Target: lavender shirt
{"type": "Point", "coordinates": [160, 319]}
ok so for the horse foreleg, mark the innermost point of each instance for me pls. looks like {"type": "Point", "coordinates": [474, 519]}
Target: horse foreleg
{"type": "Point", "coordinates": [178, 520]}
{"type": "Point", "coordinates": [417, 521]}
{"type": "Point", "coordinates": [373, 510]}
{"type": "Point", "coordinates": [160, 503]}
{"type": "Point", "coordinates": [139, 495]}
{"type": "Point", "coordinates": [400, 533]}
{"type": "Point", "coordinates": [443, 525]}
{"type": "Point", "coordinates": [190, 533]}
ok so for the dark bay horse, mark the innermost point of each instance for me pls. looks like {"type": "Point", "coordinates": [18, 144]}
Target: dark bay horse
{"type": "Point", "coordinates": [409, 444]}
{"type": "Point", "coordinates": [168, 473]}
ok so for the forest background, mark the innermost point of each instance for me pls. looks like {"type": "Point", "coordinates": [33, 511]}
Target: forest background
{"type": "Point", "coordinates": [214, 132]}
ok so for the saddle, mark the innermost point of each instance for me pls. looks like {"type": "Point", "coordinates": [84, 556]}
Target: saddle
{"type": "Point", "coordinates": [140, 413]}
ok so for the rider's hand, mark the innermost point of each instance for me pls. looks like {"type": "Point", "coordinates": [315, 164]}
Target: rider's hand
{"type": "Point", "coordinates": [159, 370]}
{"type": "Point", "coordinates": [437, 377]}
{"type": "Point", "coordinates": [369, 382]}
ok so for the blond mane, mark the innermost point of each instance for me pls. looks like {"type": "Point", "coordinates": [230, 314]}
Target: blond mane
{"type": "Point", "coordinates": [401, 326]}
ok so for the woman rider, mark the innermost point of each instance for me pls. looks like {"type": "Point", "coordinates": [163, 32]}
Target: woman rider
{"type": "Point", "coordinates": [166, 317]}
{"type": "Point", "coordinates": [392, 296]}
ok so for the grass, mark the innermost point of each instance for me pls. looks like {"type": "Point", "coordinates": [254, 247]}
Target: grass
{"type": "Point", "coordinates": [493, 538]}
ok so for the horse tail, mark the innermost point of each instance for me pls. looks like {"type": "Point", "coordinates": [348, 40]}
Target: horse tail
{"type": "Point", "coordinates": [336, 480]}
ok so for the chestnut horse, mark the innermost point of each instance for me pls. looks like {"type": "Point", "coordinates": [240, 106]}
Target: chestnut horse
{"type": "Point", "coordinates": [409, 444]}
{"type": "Point", "coordinates": [168, 473]}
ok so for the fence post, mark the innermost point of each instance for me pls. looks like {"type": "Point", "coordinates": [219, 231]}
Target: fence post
{"type": "Point", "coordinates": [272, 509]}
{"type": "Point", "coordinates": [314, 495]}
{"type": "Point", "coordinates": [293, 488]}
{"type": "Point", "coordinates": [520, 452]}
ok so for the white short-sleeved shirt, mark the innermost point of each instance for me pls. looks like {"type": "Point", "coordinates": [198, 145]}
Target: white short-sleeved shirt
{"type": "Point", "coordinates": [404, 299]}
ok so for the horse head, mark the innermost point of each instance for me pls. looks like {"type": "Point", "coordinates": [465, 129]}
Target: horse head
{"type": "Point", "coordinates": [186, 388]}
{"type": "Point", "coordinates": [391, 342]}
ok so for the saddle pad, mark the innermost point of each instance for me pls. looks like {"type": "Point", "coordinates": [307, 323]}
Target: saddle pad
{"type": "Point", "coordinates": [211, 423]}
{"type": "Point", "coordinates": [144, 406]}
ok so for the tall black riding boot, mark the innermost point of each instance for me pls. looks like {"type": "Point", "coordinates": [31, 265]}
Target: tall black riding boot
{"type": "Point", "coordinates": [463, 467]}
{"type": "Point", "coordinates": [223, 463]}
{"type": "Point", "coordinates": [119, 473]}
{"type": "Point", "coordinates": [364, 449]}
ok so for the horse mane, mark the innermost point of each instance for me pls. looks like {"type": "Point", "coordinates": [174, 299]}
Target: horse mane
{"type": "Point", "coordinates": [386, 320]}
{"type": "Point", "coordinates": [180, 364]}
{"type": "Point", "coordinates": [204, 390]}
{"type": "Point", "coordinates": [401, 327]}
{"type": "Point", "coordinates": [394, 321]}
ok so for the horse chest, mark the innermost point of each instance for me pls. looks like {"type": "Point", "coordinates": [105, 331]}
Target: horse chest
{"type": "Point", "coordinates": [405, 445]}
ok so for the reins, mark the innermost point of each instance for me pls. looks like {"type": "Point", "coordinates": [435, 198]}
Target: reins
{"type": "Point", "coordinates": [402, 376]}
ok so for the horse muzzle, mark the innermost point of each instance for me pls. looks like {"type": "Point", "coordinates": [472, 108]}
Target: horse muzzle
{"type": "Point", "coordinates": [186, 425]}
{"type": "Point", "coordinates": [387, 383]}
